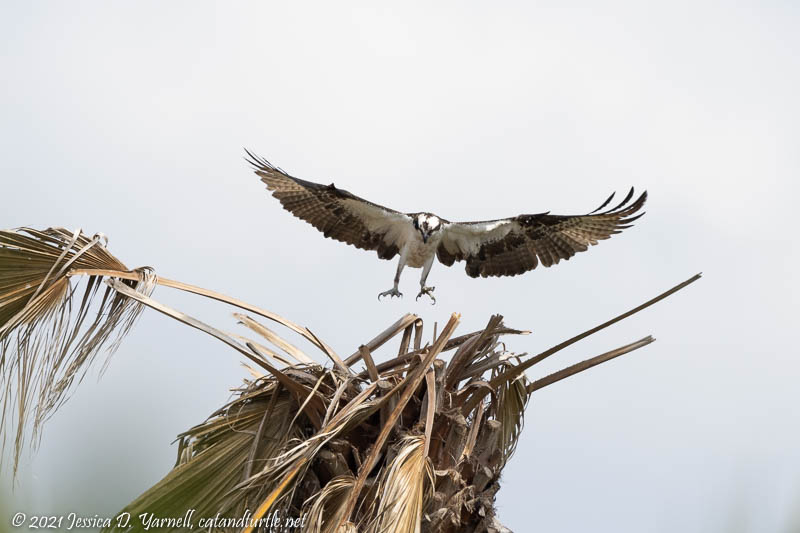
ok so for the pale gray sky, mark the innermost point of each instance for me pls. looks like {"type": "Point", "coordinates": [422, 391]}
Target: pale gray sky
{"type": "Point", "coordinates": [130, 118]}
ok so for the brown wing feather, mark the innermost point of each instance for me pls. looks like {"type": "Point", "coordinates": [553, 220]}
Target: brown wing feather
{"type": "Point", "coordinates": [337, 213]}
{"type": "Point", "coordinates": [527, 240]}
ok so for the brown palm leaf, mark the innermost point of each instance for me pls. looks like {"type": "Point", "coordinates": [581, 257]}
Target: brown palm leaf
{"type": "Point", "coordinates": [49, 332]}
{"type": "Point", "coordinates": [414, 442]}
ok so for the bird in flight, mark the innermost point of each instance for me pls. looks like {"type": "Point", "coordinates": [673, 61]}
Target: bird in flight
{"type": "Point", "coordinates": [502, 247]}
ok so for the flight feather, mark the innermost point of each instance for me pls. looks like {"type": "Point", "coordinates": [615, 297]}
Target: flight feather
{"type": "Point", "coordinates": [511, 246]}
{"type": "Point", "coordinates": [337, 213]}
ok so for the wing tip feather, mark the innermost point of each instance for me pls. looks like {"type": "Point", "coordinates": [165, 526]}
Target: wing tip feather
{"type": "Point", "coordinates": [261, 164]}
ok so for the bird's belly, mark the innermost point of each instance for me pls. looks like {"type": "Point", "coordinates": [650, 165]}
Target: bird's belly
{"type": "Point", "coordinates": [419, 253]}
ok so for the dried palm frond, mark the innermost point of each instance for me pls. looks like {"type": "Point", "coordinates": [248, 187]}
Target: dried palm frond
{"type": "Point", "coordinates": [404, 488]}
{"type": "Point", "coordinates": [49, 334]}
{"type": "Point", "coordinates": [415, 442]}
{"type": "Point", "coordinates": [53, 325]}
{"type": "Point", "coordinates": [397, 450]}
{"type": "Point", "coordinates": [325, 509]}
{"type": "Point", "coordinates": [509, 409]}
{"type": "Point", "coordinates": [216, 456]}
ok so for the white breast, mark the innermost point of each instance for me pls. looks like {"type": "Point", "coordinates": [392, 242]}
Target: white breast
{"type": "Point", "coordinates": [417, 253]}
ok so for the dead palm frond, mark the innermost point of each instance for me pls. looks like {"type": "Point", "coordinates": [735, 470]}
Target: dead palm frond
{"type": "Point", "coordinates": [405, 487]}
{"type": "Point", "coordinates": [49, 332]}
{"type": "Point", "coordinates": [52, 325]}
{"type": "Point", "coordinates": [218, 455]}
{"type": "Point", "coordinates": [325, 508]}
{"type": "Point", "coordinates": [415, 442]}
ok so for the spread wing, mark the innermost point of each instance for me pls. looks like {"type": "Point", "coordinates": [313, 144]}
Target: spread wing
{"type": "Point", "coordinates": [511, 246]}
{"type": "Point", "coordinates": [337, 213]}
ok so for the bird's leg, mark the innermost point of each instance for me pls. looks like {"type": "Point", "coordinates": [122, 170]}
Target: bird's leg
{"type": "Point", "coordinates": [393, 291]}
{"type": "Point", "coordinates": [422, 288]}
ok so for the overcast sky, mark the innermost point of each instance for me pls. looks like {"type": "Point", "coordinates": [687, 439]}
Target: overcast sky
{"type": "Point", "coordinates": [130, 118]}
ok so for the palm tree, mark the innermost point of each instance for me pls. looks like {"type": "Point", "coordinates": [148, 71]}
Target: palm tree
{"type": "Point", "coordinates": [415, 443]}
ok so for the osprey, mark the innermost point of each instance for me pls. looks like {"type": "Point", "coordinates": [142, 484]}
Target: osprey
{"type": "Point", "coordinates": [503, 247]}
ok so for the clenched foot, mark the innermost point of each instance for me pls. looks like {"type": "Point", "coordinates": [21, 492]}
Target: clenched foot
{"type": "Point", "coordinates": [427, 291]}
{"type": "Point", "coordinates": [391, 292]}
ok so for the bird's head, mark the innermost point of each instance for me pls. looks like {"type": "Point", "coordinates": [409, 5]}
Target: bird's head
{"type": "Point", "coordinates": [427, 224]}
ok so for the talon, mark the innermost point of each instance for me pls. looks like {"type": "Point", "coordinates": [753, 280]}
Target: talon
{"type": "Point", "coordinates": [427, 291]}
{"type": "Point", "coordinates": [391, 292]}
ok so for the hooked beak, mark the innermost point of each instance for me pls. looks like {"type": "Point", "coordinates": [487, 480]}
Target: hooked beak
{"type": "Point", "coordinates": [425, 237]}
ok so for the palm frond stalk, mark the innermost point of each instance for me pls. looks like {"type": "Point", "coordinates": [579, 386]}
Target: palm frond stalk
{"type": "Point", "coordinates": [416, 442]}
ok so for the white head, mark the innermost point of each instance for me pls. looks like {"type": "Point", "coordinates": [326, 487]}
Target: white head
{"type": "Point", "coordinates": [427, 224]}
